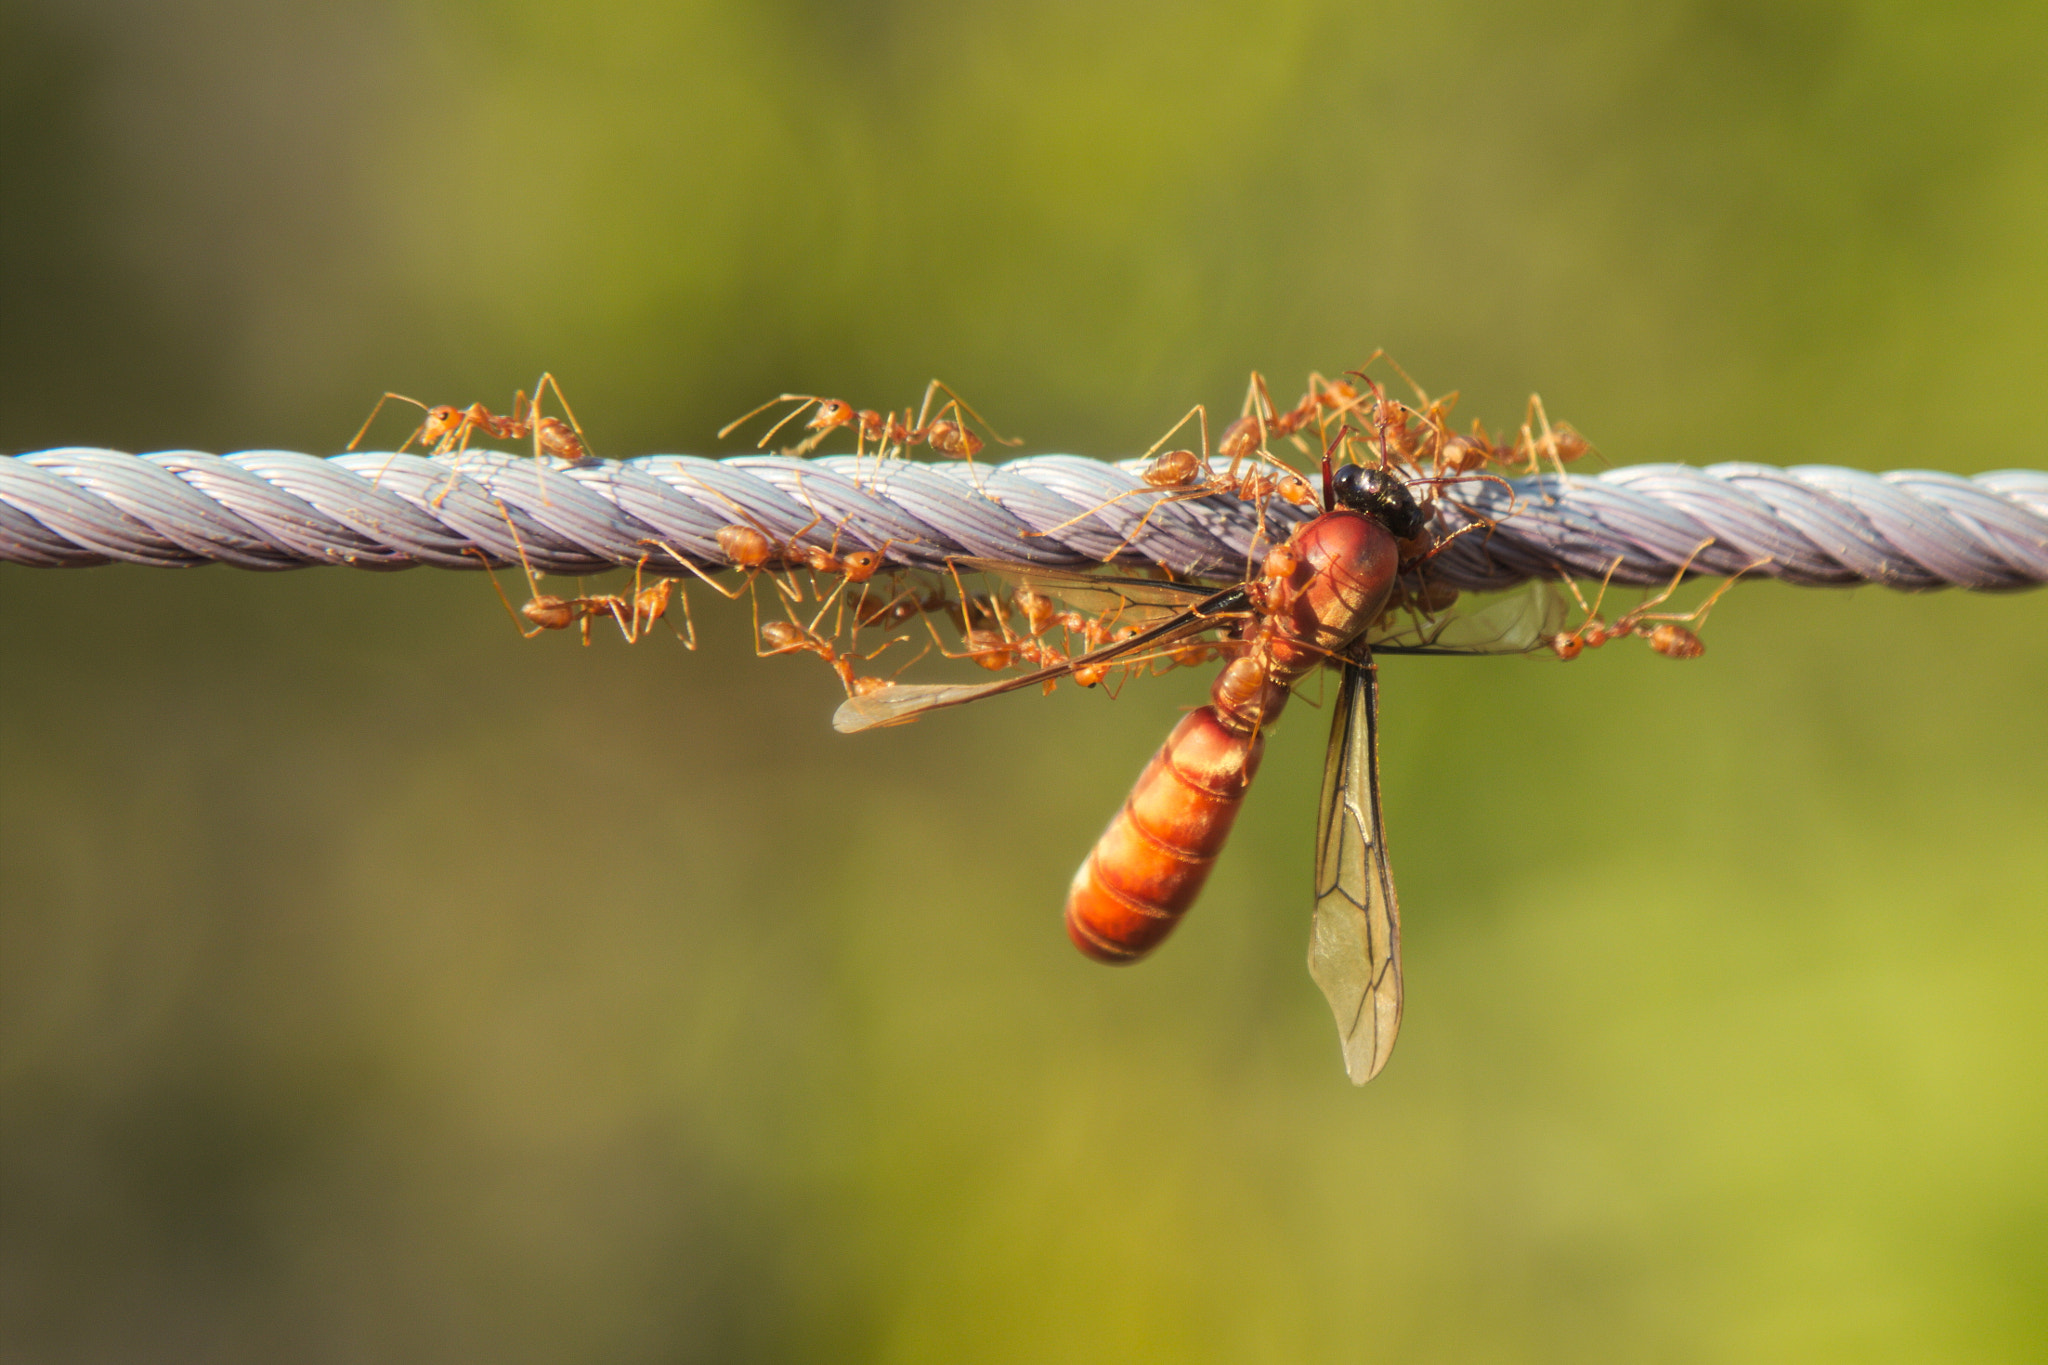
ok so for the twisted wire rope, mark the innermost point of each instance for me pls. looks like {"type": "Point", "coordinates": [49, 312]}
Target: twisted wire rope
{"type": "Point", "coordinates": [272, 509]}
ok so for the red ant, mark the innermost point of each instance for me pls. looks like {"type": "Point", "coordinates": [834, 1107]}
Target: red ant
{"type": "Point", "coordinates": [1260, 417]}
{"type": "Point", "coordinates": [947, 436]}
{"type": "Point", "coordinates": [1450, 455]}
{"type": "Point", "coordinates": [1668, 636]}
{"type": "Point", "coordinates": [1182, 475]}
{"type": "Point", "coordinates": [1040, 615]}
{"type": "Point", "coordinates": [634, 614]}
{"type": "Point", "coordinates": [748, 547]}
{"type": "Point", "coordinates": [448, 428]}
{"type": "Point", "coordinates": [787, 637]}
{"type": "Point", "coordinates": [1187, 475]}
{"type": "Point", "coordinates": [1536, 442]}
{"type": "Point", "coordinates": [996, 646]}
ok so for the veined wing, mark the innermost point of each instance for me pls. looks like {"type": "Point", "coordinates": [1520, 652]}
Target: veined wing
{"type": "Point", "coordinates": [904, 702]}
{"type": "Point", "coordinates": [1137, 600]}
{"type": "Point", "coordinates": [1354, 949]}
{"type": "Point", "coordinates": [1517, 624]}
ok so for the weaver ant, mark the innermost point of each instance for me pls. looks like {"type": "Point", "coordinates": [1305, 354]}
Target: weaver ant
{"type": "Point", "coordinates": [449, 428]}
{"type": "Point", "coordinates": [888, 433]}
{"type": "Point", "coordinates": [1260, 417]}
{"type": "Point", "coordinates": [634, 613]}
{"type": "Point", "coordinates": [787, 637]}
{"type": "Point", "coordinates": [1666, 632]}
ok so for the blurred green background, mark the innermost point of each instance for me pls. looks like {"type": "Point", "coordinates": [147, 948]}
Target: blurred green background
{"type": "Point", "coordinates": [376, 986]}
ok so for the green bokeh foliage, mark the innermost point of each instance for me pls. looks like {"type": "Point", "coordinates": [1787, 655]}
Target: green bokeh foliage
{"type": "Point", "coordinates": [376, 986]}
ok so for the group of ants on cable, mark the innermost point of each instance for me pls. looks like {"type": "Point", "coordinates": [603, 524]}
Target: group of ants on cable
{"type": "Point", "coordinates": [1347, 582]}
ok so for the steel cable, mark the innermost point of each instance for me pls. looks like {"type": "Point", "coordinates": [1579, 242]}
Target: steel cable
{"type": "Point", "coordinates": [271, 509]}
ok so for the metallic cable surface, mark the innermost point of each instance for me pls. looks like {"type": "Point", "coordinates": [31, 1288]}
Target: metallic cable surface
{"type": "Point", "coordinates": [272, 509]}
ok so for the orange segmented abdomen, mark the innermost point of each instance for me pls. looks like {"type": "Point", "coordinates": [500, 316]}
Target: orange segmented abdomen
{"type": "Point", "coordinates": [1150, 863]}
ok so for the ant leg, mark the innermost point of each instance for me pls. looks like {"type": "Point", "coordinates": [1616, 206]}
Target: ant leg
{"type": "Point", "coordinates": [825, 605]}
{"type": "Point", "coordinates": [794, 413]}
{"type": "Point", "coordinates": [1642, 609]}
{"type": "Point", "coordinates": [456, 442]}
{"type": "Point", "coordinates": [364, 429]}
{"type": "Point", "coordinates": [732, 595]}
{"type": "Point", "coordinates": [1394, 365]}
{"type": "Point", "coordinates": [510, 614]}
{"type": "Point", "coordinates": [534, 593]}
{"type": "Point", "coordinates": [741, 421]}
{"type": "Point", "coordinates": [547, 380]}
{"type": "Point", "coordinates": [1197, 411]}
{"type": "Point", "coordinates": [1258, 399]}
{"type": "Point", "coordinates": [689, 622]}
{"type": "Point", "coordinates": [1698, 615]}
{"type": "Point", "coordinates": [1078, 517]}
{"type": "Point", "coordinates": [1548, 444]}
{"type": "Point", "coordinates": [967, 410]}
{"type": "Point", "coordinates": [759, 653]}
{"type": "Point", "coordinates": [625, 609]}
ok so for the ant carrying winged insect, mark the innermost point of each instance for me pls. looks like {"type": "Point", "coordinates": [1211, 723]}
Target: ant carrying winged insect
{"type": "Point", "coordinates": [1321, 597]}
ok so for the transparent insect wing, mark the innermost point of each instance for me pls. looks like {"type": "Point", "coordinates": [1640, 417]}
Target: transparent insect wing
{"type": "Point", "coordinates": [1354, 950]}
{"type": "Point", "coordinates": [901, 703]}
{"type": "Point", "coordinates": [906, 702]}
{"type": "Point", "coordinates": [1139, 600]}
{"type": "Point", "coordinates": [1519, 623]}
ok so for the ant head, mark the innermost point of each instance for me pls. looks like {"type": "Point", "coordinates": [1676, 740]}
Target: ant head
{"type": "Point", "coordinates": [831, 413]}
{"type": "Point", "coordinates": [1377, 494]}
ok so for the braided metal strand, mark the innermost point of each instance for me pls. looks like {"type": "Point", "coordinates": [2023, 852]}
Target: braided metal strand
{"type": "Point", "coordinates": [268, 509]}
